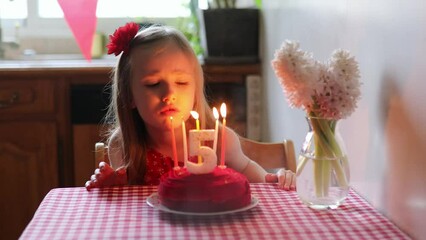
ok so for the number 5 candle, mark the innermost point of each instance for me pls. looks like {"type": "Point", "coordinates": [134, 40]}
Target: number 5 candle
{"type": "Point", "coordinates": [196, 137]}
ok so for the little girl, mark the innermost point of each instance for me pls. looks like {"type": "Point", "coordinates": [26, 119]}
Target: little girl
{"type": "Point", "coordinates": [158, 76]}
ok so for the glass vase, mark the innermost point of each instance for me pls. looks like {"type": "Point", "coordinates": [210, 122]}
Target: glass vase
{"type": "Point", "coordinates": [322, 170]}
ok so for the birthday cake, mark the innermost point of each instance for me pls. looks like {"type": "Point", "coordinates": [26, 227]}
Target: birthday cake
{"type": "Point", "coordinates": [222, 189]}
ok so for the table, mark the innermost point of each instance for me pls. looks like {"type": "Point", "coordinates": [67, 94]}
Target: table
{"type": "Point", "coordinates": [122, 213]}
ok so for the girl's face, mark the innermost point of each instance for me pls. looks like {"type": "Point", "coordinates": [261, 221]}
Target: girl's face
{"type": "Point", "coordinates": [162, 84]}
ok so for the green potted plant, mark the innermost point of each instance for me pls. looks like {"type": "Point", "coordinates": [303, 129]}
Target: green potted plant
{"type": "Point", "coordinates": [231, 34]}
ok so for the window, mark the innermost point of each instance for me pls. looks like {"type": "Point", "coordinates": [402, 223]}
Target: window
{"type": "Point", "coordinates": [16, 9]}
{"type": "Point", "coordinates": [44, 18]}
{"type": "Point", "coordinates": [124, 8]}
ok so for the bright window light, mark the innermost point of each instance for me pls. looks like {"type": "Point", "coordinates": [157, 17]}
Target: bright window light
{"type": "Point", "coordinates": [123, 8]}
{"type": "Point", "coordinates": [16, 9]}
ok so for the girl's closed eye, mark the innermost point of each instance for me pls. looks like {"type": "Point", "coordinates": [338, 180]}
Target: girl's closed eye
{"type": "Point", "coordinates": [151, 82]}
{"type": "Point", "coordinates": [182, 79]}
{"type": "Point", "coordinates": [182, 82]}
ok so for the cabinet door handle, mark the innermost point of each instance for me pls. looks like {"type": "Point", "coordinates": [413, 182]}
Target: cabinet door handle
{"type": "Point", "coordinates": [13, 99]}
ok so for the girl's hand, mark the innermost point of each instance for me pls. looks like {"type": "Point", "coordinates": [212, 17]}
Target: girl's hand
{"type": "Point", "coordinates": [286, 179]}
{"type": "Point", "coordinates": [105, 176]}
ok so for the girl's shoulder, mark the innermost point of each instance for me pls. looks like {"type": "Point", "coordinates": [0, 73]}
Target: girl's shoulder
{"type": "Point", "coordinates": [115, 150]}
{"type": "Point", "coordinates": [234, 156]}
{"type": "Point", "coordinates": [232, 139]}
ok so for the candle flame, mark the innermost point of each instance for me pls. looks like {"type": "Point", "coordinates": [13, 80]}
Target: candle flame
{"type": "Point", "coordinates": [194, 114]}
{"type": "Point", "coordinates": [223, 110]}
{"type": "Point", "coordinates": [171, 122]}
{"type": "Point", "coordinates": [215, 113]}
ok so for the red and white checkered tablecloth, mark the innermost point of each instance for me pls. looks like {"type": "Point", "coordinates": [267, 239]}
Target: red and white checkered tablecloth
{"type": "Point", "coordinates": [122, 213]}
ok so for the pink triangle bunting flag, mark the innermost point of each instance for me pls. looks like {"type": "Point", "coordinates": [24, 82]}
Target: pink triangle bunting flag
{"type": "Point", "coordinates": [81, 18]}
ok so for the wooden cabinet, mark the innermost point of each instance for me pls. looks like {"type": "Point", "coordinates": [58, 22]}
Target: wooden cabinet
{"type": "Point", "coordinates": [28, 151]}
{"type": "Point", "coordinates": [239, 86]}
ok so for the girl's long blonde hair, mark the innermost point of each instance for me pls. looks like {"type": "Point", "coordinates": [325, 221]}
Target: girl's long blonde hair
{"type": "Point", "coordinates": [127, 127]}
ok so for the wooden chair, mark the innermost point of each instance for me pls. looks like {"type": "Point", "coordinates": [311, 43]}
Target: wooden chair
{"type": "Point", "coordinates": [101, 153]}
{"type": "Point", "coordinates": [271, 156]}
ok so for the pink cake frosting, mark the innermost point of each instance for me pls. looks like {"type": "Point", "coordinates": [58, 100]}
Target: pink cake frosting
{"type": "Point", "coordinates": [221, 190]}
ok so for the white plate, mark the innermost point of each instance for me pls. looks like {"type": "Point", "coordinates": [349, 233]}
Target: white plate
{"type": "Point", "coordinates": [154, 202]}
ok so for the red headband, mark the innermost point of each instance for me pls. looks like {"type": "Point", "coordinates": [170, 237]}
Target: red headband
{"type": "Point", "coordinates": [120, 40]}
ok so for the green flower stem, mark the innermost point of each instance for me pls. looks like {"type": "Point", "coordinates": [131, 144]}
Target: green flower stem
{"type": "Point", "coordinates": [327, 152]}
{"type": "Point", "coordinates": [302, 162]}
{"type": "Point", "coordinates": [319, 169]}
{"type": "Point", "coordinates": [321, 165]}
{"type": "Point", "coordinates": [328, 128]}
{"type": "Point", "coordinates": [326, 170]}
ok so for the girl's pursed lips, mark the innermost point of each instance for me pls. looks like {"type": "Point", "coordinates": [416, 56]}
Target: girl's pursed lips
{"type": "Point", "coordinates": [169, 110]}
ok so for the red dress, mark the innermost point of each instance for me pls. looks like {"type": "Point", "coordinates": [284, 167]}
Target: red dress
{"type": "Point", "coordinates": [156, 165]}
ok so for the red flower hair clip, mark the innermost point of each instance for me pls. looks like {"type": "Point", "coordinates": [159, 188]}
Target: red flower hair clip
{"type": "Point", "coordinates": [120, 40]}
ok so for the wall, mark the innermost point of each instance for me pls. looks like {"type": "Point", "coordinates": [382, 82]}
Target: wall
{"type": "Point", "coordinates": [386, 136]}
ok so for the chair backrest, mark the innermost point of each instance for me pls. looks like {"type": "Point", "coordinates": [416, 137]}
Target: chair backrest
{"type": "Point", "coordinates": [101, 153]}
{"type": "Point", "coordinates": [270, 156]}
